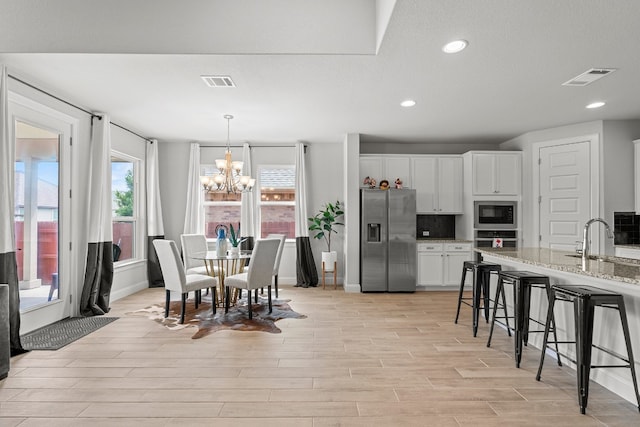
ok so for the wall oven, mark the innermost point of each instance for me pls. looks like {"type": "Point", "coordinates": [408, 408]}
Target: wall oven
{"type": "Point", "coordinates": [494, 215]}
{"type": "Point", "coordinates": [496, 238]}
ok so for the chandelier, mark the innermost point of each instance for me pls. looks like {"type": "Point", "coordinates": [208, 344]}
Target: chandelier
{"type": "Point", "coordinates": [229, 179]}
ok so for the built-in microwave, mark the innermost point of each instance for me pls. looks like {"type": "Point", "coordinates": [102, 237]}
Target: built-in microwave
{"type": "Point", "coordinates": [495, 215]}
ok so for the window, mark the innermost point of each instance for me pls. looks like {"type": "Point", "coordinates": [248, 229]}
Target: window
{"type": "Point", "coordinates": [276, 201]}
{"type": "Point", "coordinates": [219, 208]}
{"type": "Point", "coordinates": [124, 205]}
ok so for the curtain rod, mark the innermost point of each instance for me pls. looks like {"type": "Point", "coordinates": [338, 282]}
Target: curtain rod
{"type": "Point", "coordinates": [75, 106]}
{"type": "Point", "coordinates": [252, 146]}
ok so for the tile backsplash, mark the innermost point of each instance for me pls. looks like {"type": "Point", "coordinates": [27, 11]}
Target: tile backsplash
{"type": "Point", "coordinates": [438, 226]}
{"type": "Point", "coordinates": [626, 228]}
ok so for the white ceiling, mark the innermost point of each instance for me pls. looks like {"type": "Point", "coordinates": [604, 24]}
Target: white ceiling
{"type": "Point", "coordinates": [308, 70]}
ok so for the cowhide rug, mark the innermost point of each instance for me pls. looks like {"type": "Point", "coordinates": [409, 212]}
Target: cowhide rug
{"type": "Point", "coordinates": [237, 319]}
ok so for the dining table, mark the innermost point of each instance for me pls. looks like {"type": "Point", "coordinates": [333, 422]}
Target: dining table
{"type": "Point", "coordinates": [227, 265]}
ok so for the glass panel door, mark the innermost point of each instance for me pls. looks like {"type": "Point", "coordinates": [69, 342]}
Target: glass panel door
{"type": "Point", "coordinates": [37, 211]}
{"type": "Point", "coordinates": [42, 211]}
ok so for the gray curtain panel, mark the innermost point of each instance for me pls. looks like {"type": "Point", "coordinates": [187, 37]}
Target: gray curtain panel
{"type": "Point", "coordinates": [8, 265]}
{"type": "Point", "coordinates": [98, 280]}
{"type": "Point", "coordinates": [306, 271]}
{"type": "Point", "coordinates": [155, 226]}
{"type": "Point", "coordinates": [5, 347]}
{"type": "Point", "coordinates": [98, 277]}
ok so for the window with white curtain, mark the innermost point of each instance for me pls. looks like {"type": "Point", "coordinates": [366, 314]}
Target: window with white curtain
{"type": "Point", "coordinates": [125, 205]}
{"type": "Point", "coordinates": [276, 200]}
{"type": "Point", "coordinates": [220, 208]}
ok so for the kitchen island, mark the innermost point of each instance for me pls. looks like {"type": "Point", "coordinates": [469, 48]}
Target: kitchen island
{"type": "Point", "coordinates": [619, 275]}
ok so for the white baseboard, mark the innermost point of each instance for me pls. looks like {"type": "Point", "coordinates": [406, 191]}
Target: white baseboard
{"type": "Point", "coordinates": [129, 290]}
{"type": "Point", "coordinates": [290, 281]}
{"type": "Point", "coordinates": [422, 288]}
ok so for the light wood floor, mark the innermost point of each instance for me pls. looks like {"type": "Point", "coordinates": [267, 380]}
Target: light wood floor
{"type": "Point", "coordinates": [357, 360]}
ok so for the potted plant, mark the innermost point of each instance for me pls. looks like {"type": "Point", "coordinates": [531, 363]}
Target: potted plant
{"type": "Point", "coordinates": [235, 240]}
{"type": "Point", "coordinates": [323, 224]}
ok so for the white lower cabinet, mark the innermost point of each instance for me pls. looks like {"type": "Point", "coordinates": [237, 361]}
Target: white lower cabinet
{"type": "Point", "coordinates": [430, 261]}
{"type": "Point", "coordinates": [440, 264]}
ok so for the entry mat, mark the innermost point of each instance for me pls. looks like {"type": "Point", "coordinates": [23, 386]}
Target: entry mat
{"type": "Point", "coordinates": [66, 331]}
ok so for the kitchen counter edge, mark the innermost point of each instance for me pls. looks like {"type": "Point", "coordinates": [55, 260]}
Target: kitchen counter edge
{"type": "Point", "coordinates": [616, 269]}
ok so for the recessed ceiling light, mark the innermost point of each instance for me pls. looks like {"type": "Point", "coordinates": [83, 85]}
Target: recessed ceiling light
{"type": "Point", "coordinates": [408, 103]}
{"type": "Point", "coordinates": [595, 104]}
{"type": "Point", "coordinates": [454, 46]}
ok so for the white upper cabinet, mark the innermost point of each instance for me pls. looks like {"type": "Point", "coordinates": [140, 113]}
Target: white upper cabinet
{"type": "Point", "coordinates": [438, 184]}
{"type": "Point", "coordinates": [425, 177]}
{"type": "Point", "coordinates": [370, 167]}
{"type": "Point", "coordinates": [450, 184]}
{"type": "Point", "coordinates": [386, 167]}
{"type": "Point", "coordinates": [496, 174]}
{"type": "Point", "coordinates": [398, 167]}
{"type": "Point", "coordinates": [436, 179]}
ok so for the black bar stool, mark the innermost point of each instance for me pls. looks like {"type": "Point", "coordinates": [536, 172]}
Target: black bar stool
{"type": "Point", "coordinates": [480, 289]}
{"type": "Point", "coordinates": [523, 282]}
{"type": "Point", "coordinates": [585, 299]}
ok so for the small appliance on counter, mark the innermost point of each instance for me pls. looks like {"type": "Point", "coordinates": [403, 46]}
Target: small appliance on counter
{"type": "Point", "coordinates": [388, 240]}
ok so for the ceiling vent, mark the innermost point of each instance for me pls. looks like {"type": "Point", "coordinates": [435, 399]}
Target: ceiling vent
{"type": "Point", "coordinates": [589, 76]}
{"type": "Point", "coordinates": [218, 81]}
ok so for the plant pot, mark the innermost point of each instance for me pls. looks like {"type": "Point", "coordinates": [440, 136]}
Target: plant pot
{"type": "Point", "coordinates": [234, 251]}
{"type": "Point", "coordinates": [329, 258]}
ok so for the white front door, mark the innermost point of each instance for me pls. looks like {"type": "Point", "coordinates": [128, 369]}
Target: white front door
{"type": "Point", "coordinates": [42, 212]}
{"type": "Point", "coordinates": [565, 194]}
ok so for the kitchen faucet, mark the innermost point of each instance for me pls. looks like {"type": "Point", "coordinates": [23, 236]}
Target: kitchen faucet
{"type": "Point", "coordinates": [585, 235]}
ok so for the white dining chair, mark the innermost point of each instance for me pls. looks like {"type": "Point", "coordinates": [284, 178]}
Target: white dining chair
{"type": "Point", "coordinates": [177, 280]}
{"type": "Point", "coordinates": [192, 244]}
{"type": "Point", "coordinates": [276, 266]}
{"type": "Point", "coordinates": [259, 273]}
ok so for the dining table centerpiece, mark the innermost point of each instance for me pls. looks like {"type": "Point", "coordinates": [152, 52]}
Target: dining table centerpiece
{"type": "Point", "coordinates": [235, 240]}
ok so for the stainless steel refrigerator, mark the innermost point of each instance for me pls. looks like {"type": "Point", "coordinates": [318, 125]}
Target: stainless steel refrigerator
{"type": "Point", "coordinates": [387, 240]}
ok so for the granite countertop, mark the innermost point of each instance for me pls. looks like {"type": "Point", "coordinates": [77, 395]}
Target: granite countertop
{"type": "Point", "coordinates": [441, 240]}
{"type": "Point", "coordinates": [610, 268]}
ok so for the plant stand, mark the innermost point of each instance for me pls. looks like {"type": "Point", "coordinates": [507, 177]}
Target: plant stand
{"type": "Point", "coordinates": [335, 274]}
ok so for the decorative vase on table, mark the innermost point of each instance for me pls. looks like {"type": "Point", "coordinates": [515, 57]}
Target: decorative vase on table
{"type": "Point", "coordinates": [221, 243]}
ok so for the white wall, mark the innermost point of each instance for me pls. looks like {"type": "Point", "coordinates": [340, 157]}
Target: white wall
{"type": "Point", "coordinates": [524, 143]}
{"type": "Point", "coordinates": [618, 166]}
{"type": "Point", "coordinates": [615, 167]}
{"type": "Point", "coordinates": [131, 276]}
{"type": "Point", "coordinates": [127, 278]}
{"type": "Point", "coordinates": [351, 166]}
{"type": "Point", "coordinates": [79, 184]}
{"type": "Point", "coordinates": [173, 164]}
{"type": "Point", "coordinates": [324, 182]}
